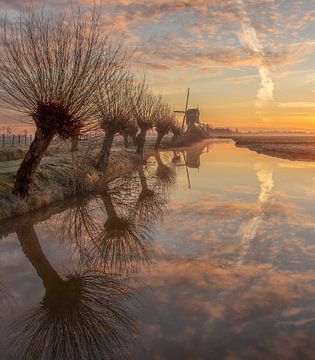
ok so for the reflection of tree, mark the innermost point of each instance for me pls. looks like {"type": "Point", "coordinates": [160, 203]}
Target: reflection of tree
{"type": "Point", "coordinates": [124, 241]}
{"type": "Point", "coordinates": [77, 224]}
{"type": "Point", "coordinates": [151, 202]}
{"type": "Point", "coordinates": [176, 158]}
{"type": "Point", "coordinates": [85, 315]}
{"type": "Point", "coordinates": [107, 232]}
{"type": "Point", "coordinates": [6, 299]}
{"type": "Point", "coordinates": [165, 175]}
{"type": "Point", "coordinates": [115, 229]}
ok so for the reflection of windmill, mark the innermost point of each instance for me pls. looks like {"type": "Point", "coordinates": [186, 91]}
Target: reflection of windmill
{"type": "Point", "coordinates": [191, 158]}
{"type": "Point", "coordinates": [190, 115]}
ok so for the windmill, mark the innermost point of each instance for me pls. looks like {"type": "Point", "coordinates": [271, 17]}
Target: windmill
{"type": "Point", "coordinates": [191, 116]}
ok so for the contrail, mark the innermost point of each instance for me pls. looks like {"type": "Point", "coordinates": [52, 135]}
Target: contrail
{"type": "Point", "coordinates": [249, 38]}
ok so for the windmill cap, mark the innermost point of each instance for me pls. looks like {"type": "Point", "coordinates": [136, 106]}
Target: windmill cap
{"type": "Point", "coordinates": [193, 111]}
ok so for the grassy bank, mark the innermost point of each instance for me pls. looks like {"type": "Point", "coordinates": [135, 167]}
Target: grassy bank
{"type": "Point", "coordinates": [60, 177]}
{"type": "Point", "coordinates": [63, 175]}
{"type": "Point", "coordinates": [300, 148]}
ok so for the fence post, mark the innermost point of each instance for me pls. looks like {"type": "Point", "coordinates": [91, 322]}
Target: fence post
{"type": "Point", "coordinates": [31, 138]}
{"type": "Point", "coordinates": [19, 139]}
{"type": "Point", "coordinates": [13, 138]}
{"type": "Point", "coordinates": [3, 140]}
{"type": "Point", "coordinates": [25, 141]}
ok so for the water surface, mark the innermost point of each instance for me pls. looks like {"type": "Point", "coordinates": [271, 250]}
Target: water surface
{"type": "Point", "coordinates": [201, 254]}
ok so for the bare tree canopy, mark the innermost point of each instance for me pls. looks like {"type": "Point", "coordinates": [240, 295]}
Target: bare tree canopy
{"type": "Point", "coordinates": [50, 69]}
{"type": "Point", "coordinates": [163, 123]}
{"type": "Point", "coordinates": [51, 65]}
{"type": "Point", "coordinates": [115, 104]}
{"type": "Point", "coordinates": [146, 113]}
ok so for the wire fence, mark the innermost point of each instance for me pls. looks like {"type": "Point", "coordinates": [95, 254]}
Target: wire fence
{"type": "Point", "coordinates": [26, 139]}
{"type": "Point", "coordinates": [15, 140]}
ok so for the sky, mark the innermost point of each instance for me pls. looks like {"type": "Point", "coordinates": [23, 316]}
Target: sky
{"type": "Point", "coordinates": [249, 63]}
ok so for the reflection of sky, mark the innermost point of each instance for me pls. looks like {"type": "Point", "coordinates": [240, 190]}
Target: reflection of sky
{"type": "Point", "coordinates": [205, 302]}
{"type": "Point", "coordinates": [202, 301]}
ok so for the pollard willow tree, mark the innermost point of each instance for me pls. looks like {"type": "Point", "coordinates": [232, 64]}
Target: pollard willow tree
{"type": "Point", "coordinates": [163, 123]}
{"type": "Point", "coordinates": [114, 110]}
{"type": "Point", "coordinates": [50, 68]}
{"type": "Point", "coordinates": [176, 131]}
{"type": "Point", "coordinates": [146, 113]}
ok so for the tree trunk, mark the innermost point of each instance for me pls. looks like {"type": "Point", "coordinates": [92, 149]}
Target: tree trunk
{"type": "Point", "coordinates": [158, 159]}
{"type": "Point", "coordinates": [143, 179]}
{"type": "Point", "coordinates": [176, 157]}
{"type": "Point", "coordinates": [134, 139]}
{"type": "Point", "coordinates": [74, 144]}
{"type": "Point", "coordinates": [141, 141]}
{"type": "Point", "coordinates": [175, 138]}
{"type": "Point", "coordinates": [105, 152]}
{"type": "Point", "coordinates": [158, 140]}
{"type": "Point", "coordinates": [33, 251]}
{"type": "Point", "coordinates": [108, 204]}
{"type": "Point", "coordinates": [126, 140]}
{"type": "Point", "coordinates": [25, 174]}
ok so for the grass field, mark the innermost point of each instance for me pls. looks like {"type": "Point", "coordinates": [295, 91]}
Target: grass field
{"type": "Point", "coordinates": [301, 148]}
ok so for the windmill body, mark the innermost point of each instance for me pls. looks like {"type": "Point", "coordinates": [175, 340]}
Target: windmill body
{"type": "Point", "coordinates": [191, 116]}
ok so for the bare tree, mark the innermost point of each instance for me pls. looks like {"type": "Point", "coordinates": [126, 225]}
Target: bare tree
{"type": "Point", "coordinates": [114, 111]}
{"type": "Point", "coordinates": [176, 131]}
{"type": "Point", "coordinates": [145, 113]}
{"type": "Point", "coordinates": [166, 175]}
{"type": "Point", "coordinates": [163, 123]}
{"type": "Point", "coordinates": [152, 201]}
{"type": "Point", "coordinates": [131, 131]}
{"type": "Point", "coordinates": [50, 68]}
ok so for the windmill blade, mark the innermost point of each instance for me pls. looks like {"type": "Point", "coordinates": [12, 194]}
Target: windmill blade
{"type": "Point", "coordinates": [187, 99]}
{"type": "Point", "coordinates": [186, 107]}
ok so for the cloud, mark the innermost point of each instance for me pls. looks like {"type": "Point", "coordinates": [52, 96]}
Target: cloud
{"type": "Point", "coordinates": [249, 38]}
{"type": "Point", "coordinates": [300, 104]}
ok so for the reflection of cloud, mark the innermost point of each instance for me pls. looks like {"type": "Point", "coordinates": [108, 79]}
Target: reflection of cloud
{"type": "Point", "coordinates": [241, 189]}
{"type": "Point", "coordinates": [264, 175]}
{"type": "Point", "coordinates": [256, 302]}
{"type": "Point", "coordinates": [296, 165]}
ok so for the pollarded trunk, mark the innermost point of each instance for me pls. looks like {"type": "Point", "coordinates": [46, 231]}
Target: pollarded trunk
{"type": "Point", "coordinates": [141, 141]}
{"type": "Point", "coordinates": [158, 159]}
{"type": "Point", "coordinates": [175, 138]}
{"type": "Point", "coordinates": [74, 144]}
{"type": "Point", "coordinates": [105, 151]}
{"type": "Point", "coordinates": [143, 179]}
{"type": "Point", "coordinates": [126, 143]}
{"type": "Point", "coordinates": [25, 174]}
{"type": "Point", "coordinates": [159, 139]}
{"type": "Point", "coordinates": [134, 139]}
{"type": "Point", "coordinates": [33, 251]}
{"type": "Point", "coordinates": [108, 204]}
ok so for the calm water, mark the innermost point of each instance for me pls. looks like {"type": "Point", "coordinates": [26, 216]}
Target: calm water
{"type": "Point", "coordinates": [213, 260]}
